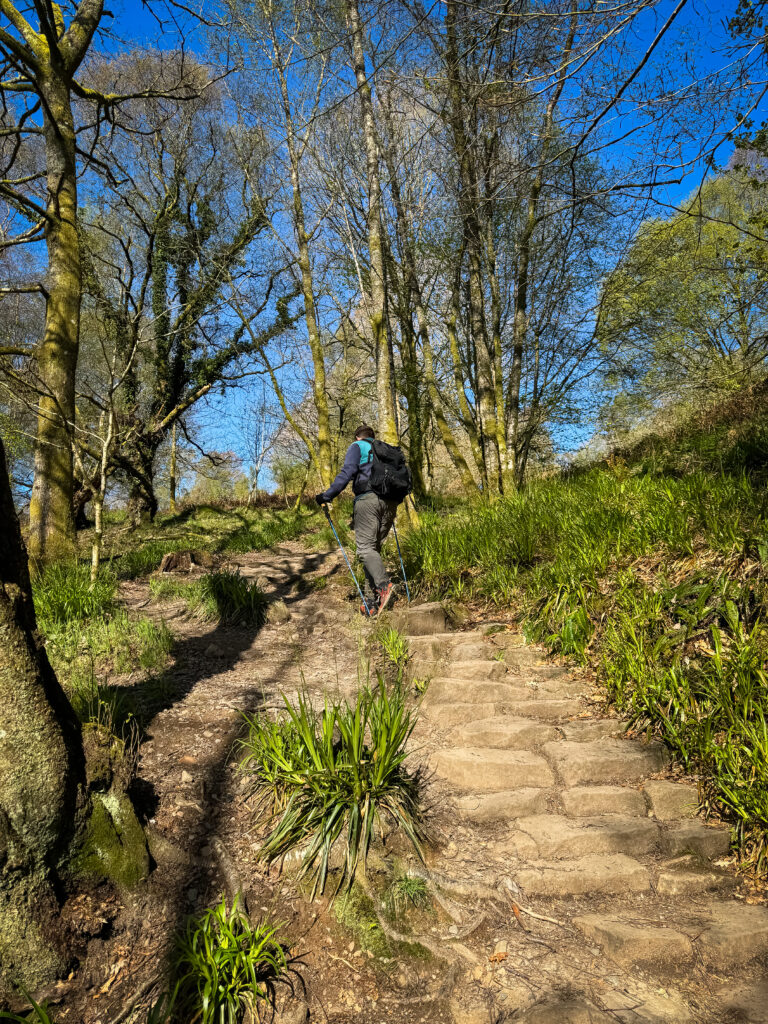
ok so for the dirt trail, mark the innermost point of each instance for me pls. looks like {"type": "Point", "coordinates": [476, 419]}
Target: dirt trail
{"type": "Point", "coordinates": [540, 814]}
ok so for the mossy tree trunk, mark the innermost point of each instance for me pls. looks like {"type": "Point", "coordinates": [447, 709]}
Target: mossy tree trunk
{"type": "Point", "coordinates": [42, 773]}
{"type": "Point", "coordinates": [53, 56]}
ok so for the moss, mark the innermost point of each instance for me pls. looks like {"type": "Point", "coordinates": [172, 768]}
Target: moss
{"type": "Point", "coordinates": [357, 913]}
{"type": "Point", "coordinates": [115, 845]}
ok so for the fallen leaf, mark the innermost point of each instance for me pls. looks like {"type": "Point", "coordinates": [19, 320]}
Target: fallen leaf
{"type": "Point", "coordinates": [497, 958]}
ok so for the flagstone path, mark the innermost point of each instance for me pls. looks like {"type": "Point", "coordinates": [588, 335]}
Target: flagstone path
{"type": "Point", "coordinates": [617, 908]}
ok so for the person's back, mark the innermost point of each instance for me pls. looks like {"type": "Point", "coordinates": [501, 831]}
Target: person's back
{"type": "Point", "coordinates": [372, 518]}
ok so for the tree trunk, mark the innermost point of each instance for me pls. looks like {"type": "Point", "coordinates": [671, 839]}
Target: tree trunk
{"type": "Point", "coordinates": [378, 314]}
{"type": "Point", "coordinates": [520, 322]}
{"type": "Point", "coordinates": [319, 391]}
{"type": "Point", "coordinates": [468, 200]}
{"type": "Point", "coordinates": [138, 462]}
{"type": "Point", "coordinates": [42, 773]}
{"type": "Point", "coordinates": [51, 523]}
{"type": "Point", "coordinates": [172, 473]}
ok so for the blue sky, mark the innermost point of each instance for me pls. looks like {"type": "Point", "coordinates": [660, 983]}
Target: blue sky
{"type": "Point", "coordinates": [698, 45]}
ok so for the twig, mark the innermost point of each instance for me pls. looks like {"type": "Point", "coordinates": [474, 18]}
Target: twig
{"type": "Point", "coordinates": [518, 909]}
{"type": "Point", "coordinates": [355, 970]}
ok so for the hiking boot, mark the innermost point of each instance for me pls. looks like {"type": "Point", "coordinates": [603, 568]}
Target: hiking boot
{"type": "Point", "coordinates": [369, 611]}
{"type": "Point", "coordinates": [385, 595]}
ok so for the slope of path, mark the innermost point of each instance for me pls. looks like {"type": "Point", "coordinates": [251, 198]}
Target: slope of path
{"type": "Point", "coordinates": [552, 809]}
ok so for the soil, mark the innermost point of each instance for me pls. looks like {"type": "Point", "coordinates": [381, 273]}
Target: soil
{"type": "Point", "coordinates": [491, 948]}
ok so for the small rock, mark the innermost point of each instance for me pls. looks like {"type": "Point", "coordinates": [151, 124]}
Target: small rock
{"type": "Point", "coordinates": [502, 946]}
{"type": "Point", "coordinates": [278, 613]}
{"type": "Point", "coordinates": [186, 777]}
{"type": "Point", "coordinates": [213, 651]}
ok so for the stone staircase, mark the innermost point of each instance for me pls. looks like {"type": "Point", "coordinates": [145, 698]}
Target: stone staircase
{"type": "Point", "coordinates": [627, 915]}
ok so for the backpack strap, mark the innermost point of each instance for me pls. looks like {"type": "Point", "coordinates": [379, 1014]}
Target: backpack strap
{"type": "Point", "coordinates": [366, 452]}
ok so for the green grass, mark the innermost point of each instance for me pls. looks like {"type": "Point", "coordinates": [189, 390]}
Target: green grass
{"type": "Point", "coordinates": [87, 635]}
{"type": "Point", "coordinates": [660, 583]}
{"type": "Point", "coordinates": [331, 776]}
{"type": "Point", "coordinates": [225, 966]}
{"type": "Point", "coordinates": [395, 647]}
{"type": "Point", "coordinates": [408, 891]}
{"type": "Point", "coordinates": [205, 528]}
{"type": "Point", "coordinates": [223, 596]}
{"type": "Point", "coordinates": [64, 593]}
{"type": "Point", "coordinates": [84, 652]}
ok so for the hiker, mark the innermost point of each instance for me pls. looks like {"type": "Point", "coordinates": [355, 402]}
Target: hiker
{"type": "Point", "coordinates": [380, 481]}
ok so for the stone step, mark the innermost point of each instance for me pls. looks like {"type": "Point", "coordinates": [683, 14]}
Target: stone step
{"type": "Point", "coordinates": [587, 731]}
{"type": "Point", "coordinates": [705, 841]}
{"type": "Point", "coordinates": [610, 875]}
{"type": "Point", "coordinates": [472, 650]}
{"type": "Point", "coordinates": [521, 657]}
{"type": "Point", "coordinates": [440, 645]}
{"type": "Point", "coordinates": [420, 619]}
{"type": "Point", "coordinates": [447, 716]}
{"type": "Point", "coordinates": [589, 801]}
{"type": "Point", "coordinates": [446, 689]}
{"type": "Point", "coordinates": [545, 709]}
{"type": "Point", "coordinates": [484, 691]}
{"type": "Point", "coordinates": [732, 933]}
{"type": "Point", "coordinates": [554, 837]}
{"type": "Point", "coordinates": [490, 770]}
{"type": "Point", "coordinates": [671, 800]}
{"type": "Point", "coordinates": [475, 669]}
{"type": "Point", "coordinates": [686, 875]}
{"type": "Point", "coordinates": [503, 806]}
{"type": "Point", "coordinates": [605, 760]}
{"type": "Point", "coordinates": [538, 672]}
{"type": "Point", "coordinates": [632, 942]}
{"type": "Point", "coordinates": [507, 732]}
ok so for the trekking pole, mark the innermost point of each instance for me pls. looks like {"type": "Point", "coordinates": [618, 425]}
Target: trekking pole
{"type": "Point", "coordinates": [349, 566]}
{"type": "Point", "coordinates": [399, 555]}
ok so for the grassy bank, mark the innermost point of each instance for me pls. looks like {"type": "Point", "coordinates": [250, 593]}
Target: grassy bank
{"type": "Point", "coordinates": [660, 583]}
{"type": "Point", "coordinates": [216, 530]}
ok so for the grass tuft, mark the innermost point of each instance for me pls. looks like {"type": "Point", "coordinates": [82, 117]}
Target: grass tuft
{"type": "Point", "coordinates": [408, 891]}
{"type": "Point", "coordinates": [333, 776]}
{"type": "Point", "coordinates": [225, 966]}
{"type": "Point", "coordinates": [395, 647]}
{"type": "Point", "coordinates": [64, 593]}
